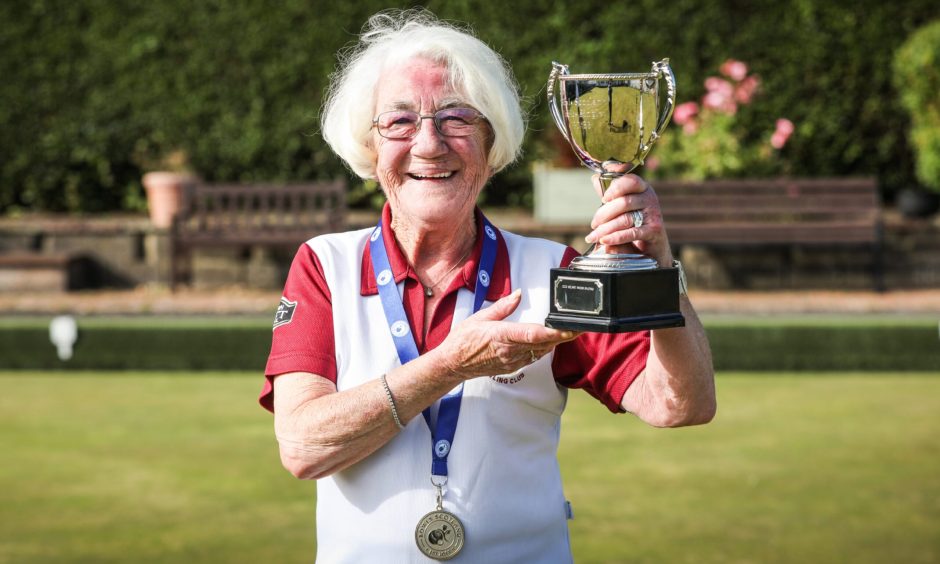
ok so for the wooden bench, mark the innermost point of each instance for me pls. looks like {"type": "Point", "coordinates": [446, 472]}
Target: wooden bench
{"type": "Point", "coordinates": [22, 271]}
{"type": "Point", "coordinates": [749, 213]}
{"type": "Point", "coordinates": [243, 215]}
{"type": "Point", "coordinates": [819, 212]}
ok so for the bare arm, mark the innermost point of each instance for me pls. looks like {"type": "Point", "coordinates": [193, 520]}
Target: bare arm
{"type": "Point", "coordinates": [678, 386]}
{"type": "Point", "coordinates": [321, 431]}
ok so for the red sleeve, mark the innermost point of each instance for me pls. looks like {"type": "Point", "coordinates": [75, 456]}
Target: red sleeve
{"type": "Point", "coordinates": [603, 364]}
{"type": "Point", "coordinates": [303, 326]}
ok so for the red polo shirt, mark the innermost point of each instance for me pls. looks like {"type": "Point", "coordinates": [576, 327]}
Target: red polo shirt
{"type": "Point", "coordinates": [603, 364]}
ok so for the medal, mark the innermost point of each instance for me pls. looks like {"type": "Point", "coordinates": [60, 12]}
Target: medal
{"type": "Point", "coordinates": [439, 534]}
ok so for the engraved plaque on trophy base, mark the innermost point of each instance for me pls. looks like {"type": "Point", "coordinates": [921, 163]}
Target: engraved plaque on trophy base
{"type": "Point", "coordinates": [614, 301]}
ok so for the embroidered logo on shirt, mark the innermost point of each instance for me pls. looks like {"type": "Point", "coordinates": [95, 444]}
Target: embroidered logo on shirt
{"type": "Point", "coordinates": [509, 378]}
{"type": "Point", "coordinates": [285, 313]}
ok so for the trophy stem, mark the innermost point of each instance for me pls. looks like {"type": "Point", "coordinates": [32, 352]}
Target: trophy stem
{"type": "Point", "coordinates": [606, 178]}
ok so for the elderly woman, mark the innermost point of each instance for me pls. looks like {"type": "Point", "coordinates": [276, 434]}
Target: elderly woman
{"type": "Point", "coordinates": [411, 373]}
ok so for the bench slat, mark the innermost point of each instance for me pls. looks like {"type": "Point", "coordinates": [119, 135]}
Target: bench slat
{"type": "Point", "coordinates": [760, 234]}
{"type": "Point", "coordinates": [255, 214]}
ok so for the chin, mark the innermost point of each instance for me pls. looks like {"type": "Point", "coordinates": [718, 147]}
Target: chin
{"type": "Point", "coordinates": [434, 209]}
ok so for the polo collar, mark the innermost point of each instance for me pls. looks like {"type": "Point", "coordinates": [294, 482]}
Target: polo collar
{"type": "Point", "coordinates": [500, 282]}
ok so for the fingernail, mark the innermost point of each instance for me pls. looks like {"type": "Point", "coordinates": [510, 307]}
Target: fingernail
{"type": "Point", "coordinates": [590, 238]}
{"type": "Point", "coordinates": [566, 334]}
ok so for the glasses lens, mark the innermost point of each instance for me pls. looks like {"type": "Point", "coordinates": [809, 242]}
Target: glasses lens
{"type": "Point", "coordinates": [397, 124]}
{"type": "Point", "coordinates": [452, 122]}
{"type": "Point", "coordinates": [456, 122]}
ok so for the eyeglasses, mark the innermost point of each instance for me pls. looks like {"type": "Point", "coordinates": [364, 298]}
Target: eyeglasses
{"type": "Point", "coordinates": [450, 122]}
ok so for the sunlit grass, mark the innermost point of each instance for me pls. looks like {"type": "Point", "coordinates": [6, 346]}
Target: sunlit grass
{"type": "Point", "coordinates": [173, 467]}
{"type": "Point", "coordinates": [795, 468]}
{"type": "Point", "coordinates": [145, 468]}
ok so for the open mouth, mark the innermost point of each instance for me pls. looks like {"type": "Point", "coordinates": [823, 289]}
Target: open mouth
{"type": "Point", "coordinates": [435, 176]}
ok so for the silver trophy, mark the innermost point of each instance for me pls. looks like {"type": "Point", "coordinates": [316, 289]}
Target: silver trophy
{"type": "Point", "coordinates": [612, 122]}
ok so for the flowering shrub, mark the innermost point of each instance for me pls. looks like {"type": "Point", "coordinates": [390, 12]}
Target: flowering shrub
{"type": "Point", "coordinates": [710, 142]}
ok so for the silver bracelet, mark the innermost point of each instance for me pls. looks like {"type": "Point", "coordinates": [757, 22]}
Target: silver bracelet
{"type": "Point", "coordinates": [391, 402]}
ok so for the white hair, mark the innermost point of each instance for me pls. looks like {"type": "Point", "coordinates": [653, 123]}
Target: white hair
{"type": "Point", "coordinates": [476, 72]}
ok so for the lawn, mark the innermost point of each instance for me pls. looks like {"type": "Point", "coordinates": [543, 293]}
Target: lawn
{"type": "Point", "coordinates": [167, 467]}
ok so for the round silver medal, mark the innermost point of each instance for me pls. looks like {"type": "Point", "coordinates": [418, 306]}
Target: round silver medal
{"type": "Point", "coordinates": [439, 535]}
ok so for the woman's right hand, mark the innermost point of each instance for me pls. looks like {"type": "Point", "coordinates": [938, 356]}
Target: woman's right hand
{"type": "Point", "coordinates": [485, 345]}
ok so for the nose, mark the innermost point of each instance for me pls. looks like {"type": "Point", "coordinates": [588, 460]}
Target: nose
{"type": "Point", "coordinates": [428, 142]}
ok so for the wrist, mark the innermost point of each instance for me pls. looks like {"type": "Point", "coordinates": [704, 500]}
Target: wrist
{"type": "Point", "coordinates": [442, 365]}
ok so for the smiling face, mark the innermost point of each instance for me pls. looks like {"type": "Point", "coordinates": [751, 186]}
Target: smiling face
{"type": "Point", "coordinates": [428, 179]}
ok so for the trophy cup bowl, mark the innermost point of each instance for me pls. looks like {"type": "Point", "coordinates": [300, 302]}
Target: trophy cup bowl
{"type": "Point", "coordinates": [611, 122]}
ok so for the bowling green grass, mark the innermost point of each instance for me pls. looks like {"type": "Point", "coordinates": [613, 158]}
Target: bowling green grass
{"type": "Point", "coordinates": [172, 467]}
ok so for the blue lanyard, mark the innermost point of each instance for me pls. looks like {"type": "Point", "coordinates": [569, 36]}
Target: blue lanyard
{"type": "Point", "coordinates": [442, 435]}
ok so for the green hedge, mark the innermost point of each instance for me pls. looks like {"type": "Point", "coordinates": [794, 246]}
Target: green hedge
{"type": "Point", "coordinates": [826, 345]}
{"type": "Point", "coordinates": [141, 344]}
{"type": "Point", "coordinates": [762, 345]}
{"type": "Point", "coordinates": [94, 91]}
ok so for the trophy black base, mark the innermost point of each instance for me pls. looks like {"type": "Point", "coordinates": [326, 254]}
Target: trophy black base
{"type": "Point", "coordinates": [614, 301]}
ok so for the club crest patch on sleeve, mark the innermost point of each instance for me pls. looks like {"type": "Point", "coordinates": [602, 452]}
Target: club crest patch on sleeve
{"type": "Point", "coordinates": [285, 313]}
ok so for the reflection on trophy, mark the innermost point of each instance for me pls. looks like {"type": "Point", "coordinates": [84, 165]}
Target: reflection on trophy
{"type": "Point", "coordinates": [611, 122]}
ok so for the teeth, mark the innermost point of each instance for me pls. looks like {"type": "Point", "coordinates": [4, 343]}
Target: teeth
{"type": "Point", "coordinates": [440, 175]}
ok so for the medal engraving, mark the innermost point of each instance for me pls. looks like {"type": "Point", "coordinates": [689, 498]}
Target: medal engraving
{"type": "Point", "coordinates": [439, 535]}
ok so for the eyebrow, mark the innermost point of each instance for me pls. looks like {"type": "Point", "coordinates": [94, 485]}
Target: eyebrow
{"type": "Point", "coordinates": [445, 104]}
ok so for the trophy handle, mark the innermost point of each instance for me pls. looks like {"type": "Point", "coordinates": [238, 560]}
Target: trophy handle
{"type": "Point", "coordinates": [558, 70]}
{"type": "Point", "coordinates": [662, 69]}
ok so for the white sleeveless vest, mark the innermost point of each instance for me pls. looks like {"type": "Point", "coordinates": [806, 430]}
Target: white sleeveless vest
{"type": "Point", "coordinates": [504, 483]}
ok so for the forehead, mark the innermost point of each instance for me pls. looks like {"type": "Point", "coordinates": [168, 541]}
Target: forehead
{"type": "Point", "coordinates": [418, 84]}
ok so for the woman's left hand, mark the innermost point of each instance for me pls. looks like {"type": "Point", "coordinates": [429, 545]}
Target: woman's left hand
{"type": "Point", "coordinates": [613, 223]}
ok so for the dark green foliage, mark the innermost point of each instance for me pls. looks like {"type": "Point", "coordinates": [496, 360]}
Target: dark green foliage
{"type": "Point", "coordinates": [917, 76]}
{"type": "Point", "coordinates": [180, 344]}
{"type": "Point", "coordinates": [95, 91]}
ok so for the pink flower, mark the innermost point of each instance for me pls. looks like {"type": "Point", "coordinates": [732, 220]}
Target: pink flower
{"type": "Point", "coordinates": [745, 89]}
{"type": "Point", "coordinates": [720, 95]}
{"type": "Point", "coordinates": [719, 85]}
{"type": "Point", "coordinates": [780, 136]}
{"type": "Point", "coordinates": [785, 126]}
{"type": "Point", "coordinates": [685, 113]}
{"type": "Point", "coordinates": [690, 128]}
{"type": "Point", "coordinates": [735, 70]}
{"type": "Point", "coordinates": [720, 102]}
{"type": "Point", "coordinates": [652, 164]}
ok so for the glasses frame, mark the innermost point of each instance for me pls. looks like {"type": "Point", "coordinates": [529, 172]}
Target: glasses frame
{"type": "Point", "coordinates": [434, 118]}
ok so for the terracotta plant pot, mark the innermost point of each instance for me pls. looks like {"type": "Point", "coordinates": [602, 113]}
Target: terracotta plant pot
{"type": "Point", "coordinates": [165, 195]}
